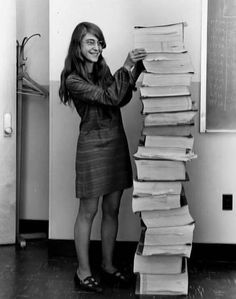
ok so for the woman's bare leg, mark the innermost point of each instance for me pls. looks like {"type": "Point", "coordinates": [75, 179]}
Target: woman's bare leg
{"type": "Point", "coordinates": [109, 228]}
{"type": "Point", "coordinates": [82, 231]}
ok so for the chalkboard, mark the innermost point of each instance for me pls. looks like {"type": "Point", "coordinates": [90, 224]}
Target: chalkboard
{"type": "Point", "coordinates": [220, 79]}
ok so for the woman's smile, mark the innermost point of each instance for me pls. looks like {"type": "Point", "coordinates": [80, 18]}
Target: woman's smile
{"type": "Point", "coordinates": [91, 48]}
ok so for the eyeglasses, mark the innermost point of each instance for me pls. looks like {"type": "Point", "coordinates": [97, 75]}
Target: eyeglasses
{"type": "Point", "coordinates": [92, 43]}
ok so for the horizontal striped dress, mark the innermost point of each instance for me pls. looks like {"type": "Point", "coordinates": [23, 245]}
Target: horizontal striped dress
{"type": "Point", "coordinates": [102, 158]}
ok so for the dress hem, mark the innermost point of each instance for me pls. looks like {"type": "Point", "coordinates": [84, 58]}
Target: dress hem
{"type": "Point", "coordinates": [105, 192]}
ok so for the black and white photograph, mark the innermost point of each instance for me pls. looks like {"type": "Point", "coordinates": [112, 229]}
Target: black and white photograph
{"type": "Point", "coordinates": [117, 143]}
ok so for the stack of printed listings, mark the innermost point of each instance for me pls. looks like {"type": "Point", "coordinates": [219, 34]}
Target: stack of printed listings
{"type": "Point", "coordinates": [166, 145]}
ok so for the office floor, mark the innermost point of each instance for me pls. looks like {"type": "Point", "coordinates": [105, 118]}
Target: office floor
{"type": "Point", "coordinates": [33, 273]}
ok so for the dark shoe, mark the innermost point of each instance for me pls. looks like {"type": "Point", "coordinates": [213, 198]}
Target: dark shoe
{"type": "Point", "coordinates": [117, 277]}
{"type": "Point", "coordinates": [89, 284]}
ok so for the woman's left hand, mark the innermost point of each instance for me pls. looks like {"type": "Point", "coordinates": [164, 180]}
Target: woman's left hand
{"type": "Point", "coordinates": [134, 56]}
{"type": "Point", "coordinates": [137, 54]}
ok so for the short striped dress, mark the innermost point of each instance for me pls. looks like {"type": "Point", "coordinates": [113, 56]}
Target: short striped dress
{"type": "Point", "coordinates": [102, 158]}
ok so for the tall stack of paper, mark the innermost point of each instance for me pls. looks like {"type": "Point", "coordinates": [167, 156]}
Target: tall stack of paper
{"type": "Point", "coordinates": [166, 145]}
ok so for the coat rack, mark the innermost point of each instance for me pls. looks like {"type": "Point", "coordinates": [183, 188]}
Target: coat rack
{"type": "Point", "coordinates": [25, 85]}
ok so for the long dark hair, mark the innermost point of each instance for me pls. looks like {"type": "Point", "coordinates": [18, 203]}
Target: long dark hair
{"type": "Point", "coordinates": [75, 61]}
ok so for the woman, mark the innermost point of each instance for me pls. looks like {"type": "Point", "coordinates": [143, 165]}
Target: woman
{"type": "Point", "coordinates": [103, 167]}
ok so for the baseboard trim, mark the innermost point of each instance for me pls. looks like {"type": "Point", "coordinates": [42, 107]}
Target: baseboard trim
{"type": "Point", "coordinates": [123, 250]}
{"type": "Point", "coordinates": [31, 226]}
{"type": "Point", "coordinates": [214, 252]}
{"type": "Point", "coordinates": [126, 250]}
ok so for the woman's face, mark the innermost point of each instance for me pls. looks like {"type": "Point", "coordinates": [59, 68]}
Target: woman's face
{"type": "Point", "coordinates": [91, 48]}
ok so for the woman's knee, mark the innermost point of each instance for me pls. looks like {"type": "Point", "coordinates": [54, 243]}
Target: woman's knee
{"type": "Point", "coordinates": [111, 206]}
{"type": "Point", "coordinates": [88, 208]}
{"type": "Point", "coordinates": [111, 211]}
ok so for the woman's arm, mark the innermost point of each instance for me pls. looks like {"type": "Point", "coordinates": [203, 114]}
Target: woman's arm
{"type": "Point", "coordinates": [137, 70]}
{"type": "Point", "coordinates": [134, 64]}
{"type": "Point", "coordinates": [134, 74]}
{"type": "Point", "coordinates": [120, 88]}
{"type": "Point", "coordinates": [112, 95]}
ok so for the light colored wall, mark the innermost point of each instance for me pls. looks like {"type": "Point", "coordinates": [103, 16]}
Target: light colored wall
{"type": "Point", "coordinates": [211, 174]}
{"type": "Point", "coordinates": [8, 105]}
{"type": "Point", "coordinates": [33, 17]}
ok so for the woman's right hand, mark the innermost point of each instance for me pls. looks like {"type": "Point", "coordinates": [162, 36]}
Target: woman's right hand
{"type": "Point", "coordinates": [134, 56]}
